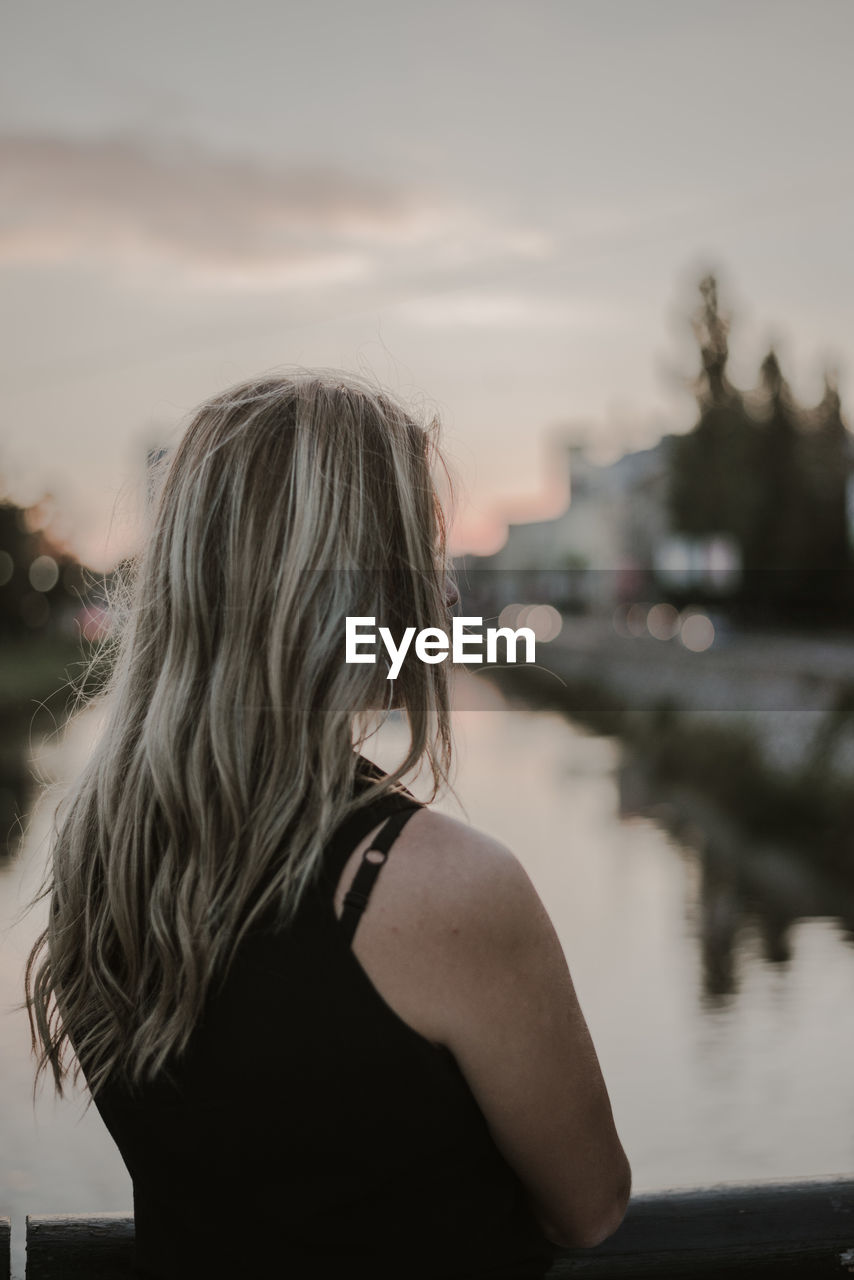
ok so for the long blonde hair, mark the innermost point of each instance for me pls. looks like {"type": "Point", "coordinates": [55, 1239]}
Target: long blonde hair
{"type": "Point", "coordinates": [227, 758]}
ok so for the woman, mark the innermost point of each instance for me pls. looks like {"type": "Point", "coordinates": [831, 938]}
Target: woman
{"type": "Point", "coordinates": [310, 1069]}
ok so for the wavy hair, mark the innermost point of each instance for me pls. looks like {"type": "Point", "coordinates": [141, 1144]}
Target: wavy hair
{"type": "Point", "coordinates": [229, 751]}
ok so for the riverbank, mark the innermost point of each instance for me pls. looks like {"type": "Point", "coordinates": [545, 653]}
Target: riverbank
{"type": "Point", "coordinates": [762, 725]}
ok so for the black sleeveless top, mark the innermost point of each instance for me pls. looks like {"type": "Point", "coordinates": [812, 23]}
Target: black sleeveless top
{"type": "Point", "coordinates": [310, 1132]}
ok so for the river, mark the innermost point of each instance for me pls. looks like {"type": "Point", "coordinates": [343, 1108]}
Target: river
{"type": "Point", "coordinates": [722, 1007]}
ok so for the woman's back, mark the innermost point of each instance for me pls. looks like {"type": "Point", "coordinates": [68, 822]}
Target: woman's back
{"type": "Point", "coordinates": [311, 1131]}
{"type": "Point", "coordinates": [316, 1118]}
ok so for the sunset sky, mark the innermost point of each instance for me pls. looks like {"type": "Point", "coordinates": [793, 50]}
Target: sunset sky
{"type": "Point", "coordinates": [499, 209]}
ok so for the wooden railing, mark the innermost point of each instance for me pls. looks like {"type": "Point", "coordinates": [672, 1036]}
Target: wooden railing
{"type": "Point", "coordinates": [791, 1229]}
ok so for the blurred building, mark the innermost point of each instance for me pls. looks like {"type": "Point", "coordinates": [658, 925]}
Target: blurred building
{"type": "Point", "coordinates": [602, 549]}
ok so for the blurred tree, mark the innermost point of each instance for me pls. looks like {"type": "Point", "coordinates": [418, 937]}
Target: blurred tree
{"type": "Point", "coordinates": [771, 475]}
{"type": "Point", "coordinates": [41, 582]}
{"type": "Point", "coordinates": [829, 455]}
{"type": "Point", "coordinates": [17, 551]}
{"type": "Point", "coordinates": [780, 536]}
{"type": "Point", "coordinates": [801, 538]}
{"type": "Point", "coordinates": [713, 467]}
{"type": "Point", "coordinates": [828, 449]}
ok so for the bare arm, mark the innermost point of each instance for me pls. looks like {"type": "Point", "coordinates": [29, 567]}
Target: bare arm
{"type": "Point", "coordinates": [458, 942]}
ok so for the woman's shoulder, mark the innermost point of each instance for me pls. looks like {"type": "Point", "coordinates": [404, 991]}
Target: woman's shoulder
{"type": "Point", "coordinates": [453, 909]}
{"type": "Point", "coordinates": [444, 875]}
{"type": "Point", "coordinates": [452, 842]}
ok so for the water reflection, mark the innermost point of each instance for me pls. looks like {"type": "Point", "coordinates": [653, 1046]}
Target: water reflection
{"type": "Point", "coordinates": [746, 886]}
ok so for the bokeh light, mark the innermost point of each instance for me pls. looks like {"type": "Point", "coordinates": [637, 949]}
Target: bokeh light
{"type": "Point", "coordinates": [662, 621]}
{"type": "Point", "coordinates": [697, 632]}
{"type": "Point", "coordinates": [545, 622]}
{"type": "Point", "coordinates": [44, 573]}
{"type": "Point", "coordinates": [636, 619]}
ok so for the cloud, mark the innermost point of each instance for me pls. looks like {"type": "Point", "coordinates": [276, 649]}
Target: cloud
{"type": "Point", "coordinates": [225, 219]}
{"type": "Point", "coordinates": [472, 309]}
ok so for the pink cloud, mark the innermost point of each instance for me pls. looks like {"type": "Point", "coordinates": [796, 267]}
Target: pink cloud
{"type": "Point", "coordinates": [65, 198]}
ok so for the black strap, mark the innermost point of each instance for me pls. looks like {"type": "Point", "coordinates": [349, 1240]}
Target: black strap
{"type": "Point", "coordinates": [356, 897]}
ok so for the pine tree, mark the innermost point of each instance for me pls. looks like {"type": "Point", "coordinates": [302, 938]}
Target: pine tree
{"type": "Point", "coordinates": [712, 477]}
